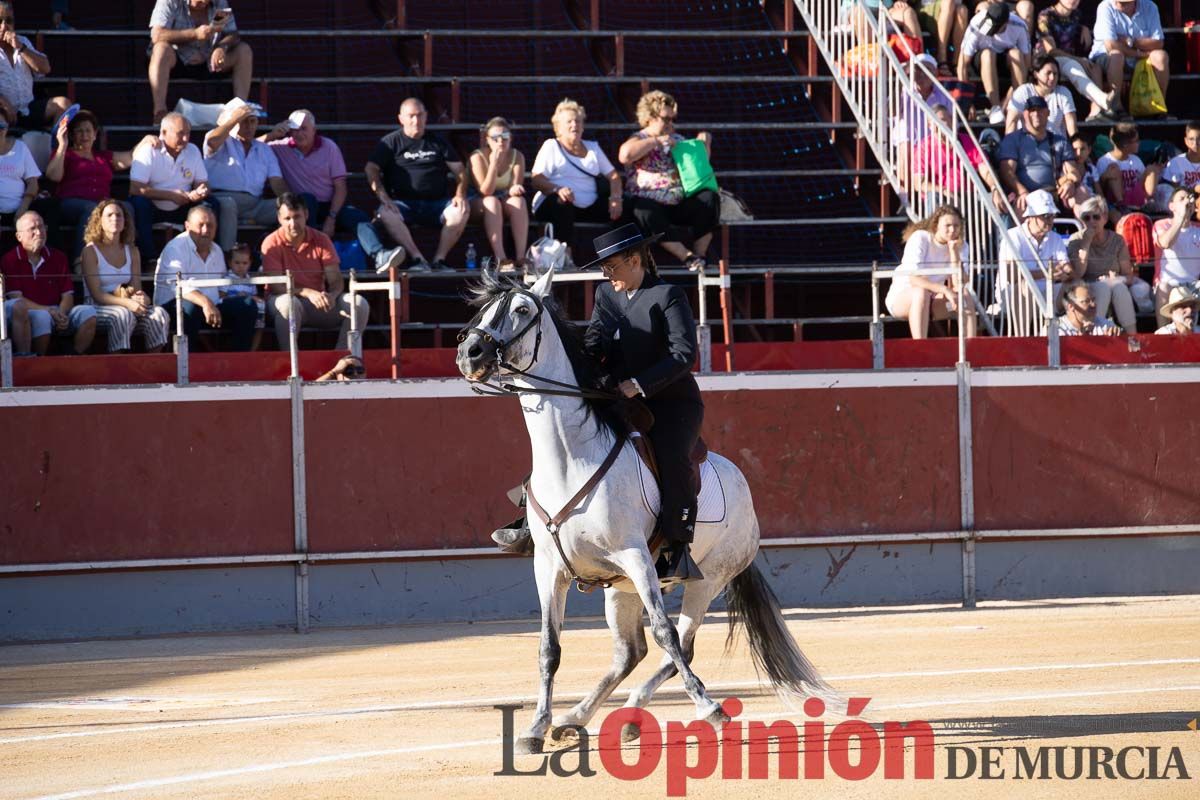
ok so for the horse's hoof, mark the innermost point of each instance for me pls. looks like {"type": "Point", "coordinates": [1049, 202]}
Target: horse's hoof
{"type": "Point", "coordinates": [630, 733]}
{"type": "Point", "coordinates": [562, 730]}
{"type": "Point", "coordinates": [527, 745]}
{"type": "Point", "coordinates": [717, 717]}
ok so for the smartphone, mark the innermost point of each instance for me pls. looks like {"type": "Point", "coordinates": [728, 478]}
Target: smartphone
{"type": "Point", "coordinates": [222, 14]}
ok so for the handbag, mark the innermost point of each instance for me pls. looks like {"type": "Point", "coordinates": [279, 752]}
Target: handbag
{"type": "Point", "coordinates": [733, 208]}
{"type": "Point", "coordinates": [695, 170]}
{"type": "Point", "coordinates": [1145, 97]}
{"type": "Point", "coordinates": [546, 253]}
{"type": "Point", "coordinates": [602, 187]}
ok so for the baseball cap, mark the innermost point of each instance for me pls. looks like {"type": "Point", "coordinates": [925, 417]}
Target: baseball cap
{"type": "Point", "coordinates": [237, 102]}
{"type": "Point", "coordinates": [927, 60]}
{"type": "Point", "coordinates": [1036, 102]}
{"type": "Point", "coordinates": [1040, 203]}
{"type": "Point", "coordinates": [295, 120]}
{"type": "Point", "coordinates": [995, 18]}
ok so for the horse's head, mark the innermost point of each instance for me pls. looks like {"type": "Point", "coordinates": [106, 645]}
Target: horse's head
{"type": "Point", "coordinates": [506, 334]}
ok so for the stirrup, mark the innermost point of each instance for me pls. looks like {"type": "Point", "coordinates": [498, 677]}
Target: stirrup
{"type": "Point", "coordinates": [675, 565]}
{"type": "Point", "coordinates": [514, 540]}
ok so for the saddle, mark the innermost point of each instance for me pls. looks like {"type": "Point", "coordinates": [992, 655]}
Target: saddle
{"type": "Point", "coordinates": [639, 419]}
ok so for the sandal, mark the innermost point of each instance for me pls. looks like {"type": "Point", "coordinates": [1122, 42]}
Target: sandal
{"type": "Point", "coordinates": [508, 265]}
{"type": "Point", "coordinates": [695, 263]}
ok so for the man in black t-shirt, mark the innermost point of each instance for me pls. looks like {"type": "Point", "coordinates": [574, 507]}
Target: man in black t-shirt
{"type": "Point", "coordinates": [409, 172]}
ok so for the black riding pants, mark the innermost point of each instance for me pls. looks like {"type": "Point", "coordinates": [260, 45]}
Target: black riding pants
{"type": "Point", "coordinates": [674, 436]}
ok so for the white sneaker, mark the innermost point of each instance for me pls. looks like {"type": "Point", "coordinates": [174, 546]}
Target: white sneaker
{"type": "Point", "coordinates": [996, 116]}
{"type": "Point", "coordinates": [386, 259]}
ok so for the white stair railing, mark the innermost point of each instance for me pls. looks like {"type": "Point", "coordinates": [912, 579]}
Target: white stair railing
{"type": "Point", "coordinates": [925, 158]}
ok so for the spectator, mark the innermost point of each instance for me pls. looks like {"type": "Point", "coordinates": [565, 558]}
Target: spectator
{"type": "Point", "coordinates": [313, 167]}
{"type": "Point", "coordinates": [1181, 308]}
{"type": "Point", "coordinates": [936, 170]}
{"type": "Point", "coordinates": [1126, 32]}
{"type": "Point", "coordinates": [239, 168]}
{"type": "Point", "coordinates": [1038, 247]}
{"type": "Point", "coordinates": [946, 22]}
{"type": "Point", "coordinates": [499, 177]}
{"type": "Point", "coordinates": [16, 313]}
{"type": "Point", "coordinates": [112, 282]}
{"type": "Point", "coordinates": [38, 275]}
{"type": "Point", "coordinates": [992, 33]}
{"type": "Point", "coordinates": [934, 243]}
{"type": "Point", "coordinates": [408, 172]}
{"type": "Point", "coordinates": [318, 299]}
{"type": "Point", "coordinates": [191, 254]}
{"type": "Point", "coordinates": [569, 173]}
{"type": "Point", "coordinates": [1034, 157]}
{"type": "Point", "coordinates": [1101, 258]}
{"type": "Point", "coordinates": [348, 368]}
{"type": "Point", "coordinates": [1177, 242]}
{"type": "Point", "coordinates": [195, 39]}
{"type": "Point", "coordinates": [1089, 176]}
{"type": "Point", "coordinates": [240, 258]}
{"type": "Point", "coordinates": [21, 101]}
{"type": "Point", "coordinates": [84, 177]}
{"type": "Point", "coordinates": [18, 177]}
{"type": "Point", "coordinates": [58, 15]}
{"type": "Point", "coordinates": [1126, 181]}
{"type": "Point", "coordinates": [900, 13]}
{"type": "Point", "coordinates": [1062, 34]}
{"type": "Point", "coordinates": [166, 180]}
{"type": "Point", "coordinates": [655, 189]}
{"type": "Point", "coordinates": [1024, 9]}
{"type": "Point", "coordinates": [1079, 317]}
{"type": "Point", "coordinates": [1183, 171]}
{"type": "Point", "coordinates": [1044, 84]}
{"type": "Point", "coordinates": [911, 123]}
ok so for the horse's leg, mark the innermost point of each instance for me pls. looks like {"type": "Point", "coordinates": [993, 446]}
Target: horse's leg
{"type": "Point", "coordinates": [697, 597]}
{"type": "Point", "coordinates": [640, 570]}
{"type": "Point", "coordinates": [624, 614]}
{"type": "Point", "coordinates": [552, 583]}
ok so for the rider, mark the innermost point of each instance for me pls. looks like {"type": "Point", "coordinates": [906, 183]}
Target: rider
{"type": "Point", "coordinates": [644, 334]}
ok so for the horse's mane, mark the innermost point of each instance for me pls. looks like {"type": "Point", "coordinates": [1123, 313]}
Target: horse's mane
{"type": "Point", "coordinates": [588, 373]}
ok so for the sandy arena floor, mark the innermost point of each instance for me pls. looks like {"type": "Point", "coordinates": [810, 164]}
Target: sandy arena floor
{"type": "Point", "coordinates": [408, 712]}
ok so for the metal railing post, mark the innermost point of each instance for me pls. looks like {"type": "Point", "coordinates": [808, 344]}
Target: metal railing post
{"type": "Point", "coordinates": [395, 296]}
{"type": "Point", "coordinates": [6, 378]}
{"type": "Point", "coordinates": [293, 329]}
{"type": "Point", "coordinates": [726, 313]}
{"type": "Point", "coordinates": [181, 341]}
{"type": "Point", "coordinates": [966, 481]}
{"type": "Point", "coordinates": [355, 333]}
{"type": "Point", "coordinates": [703, 331]}
{"type": "Point", "coordinates": [877, 359]}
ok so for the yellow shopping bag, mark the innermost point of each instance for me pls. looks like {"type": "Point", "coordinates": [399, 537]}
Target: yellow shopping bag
{"type": "Point", "coordinates": [1145, 97]}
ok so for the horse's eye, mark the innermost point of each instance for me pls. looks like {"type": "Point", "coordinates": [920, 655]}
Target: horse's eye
{"type": "Point", "coordinates": [522, 310]}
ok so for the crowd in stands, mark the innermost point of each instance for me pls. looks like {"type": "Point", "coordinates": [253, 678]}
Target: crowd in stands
{"type": "Point", "coordinates": [1044, 167]}
{"type": "Point", "coordinates": [291, 182]}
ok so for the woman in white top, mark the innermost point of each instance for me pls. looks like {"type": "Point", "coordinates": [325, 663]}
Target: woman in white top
{"type": "Point", "coordinates": [933, 243]}
{"type": "Point", "coordinates": [1043, 81]}
{"type": "Point", "coordinates": [565, 175]}
{"type": "Point", "coordinates": [18, 177]}
{"type": "Point", "coordinates": [112, 281]}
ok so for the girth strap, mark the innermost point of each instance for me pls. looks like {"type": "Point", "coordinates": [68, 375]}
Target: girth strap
{"type": "Point", "coordinates": [554, 523]}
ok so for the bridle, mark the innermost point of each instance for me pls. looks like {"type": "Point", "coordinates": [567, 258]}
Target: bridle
{"type": "Point", "coordinates": [502, 346]}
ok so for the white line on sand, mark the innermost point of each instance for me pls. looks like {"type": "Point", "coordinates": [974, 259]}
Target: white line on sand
{"type": "Point", "coordinates": [197, 777]}
{"type": "Point", "coordinates": [484, 702]}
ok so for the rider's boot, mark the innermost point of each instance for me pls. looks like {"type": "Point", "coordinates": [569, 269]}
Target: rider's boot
{"type": "Point", "coordinates": [675, 564]}
{"type": "Point", "coordinates": [514, 537]}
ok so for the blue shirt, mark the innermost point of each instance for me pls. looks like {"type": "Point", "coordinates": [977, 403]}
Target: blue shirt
{"type": "Point", "coordinates": [1039, 164]}
{"type": "Point", "coordinates": [232, 169]}
{"type": "Point", "coordinates": [1113, 24]}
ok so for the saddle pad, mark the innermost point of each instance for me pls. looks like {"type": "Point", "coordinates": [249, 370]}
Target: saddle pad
{"type": "Point", "coordinates": [710, 505]}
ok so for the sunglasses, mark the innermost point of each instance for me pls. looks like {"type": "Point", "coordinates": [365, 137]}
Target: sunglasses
{"type": "Point", "coordinates": [1091, 217]}
{"type": "Point", "coordinates": [501, 137]}
{"type": "Point", "coordinates": [354, 371]}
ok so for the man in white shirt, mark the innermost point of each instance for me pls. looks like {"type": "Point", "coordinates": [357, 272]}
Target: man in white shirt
{"type": "Point", "coordinates": [1036, 245]}
{"type": "Point", "coordinates": [1177, 243]}
{"type": "Point", "coordinates": [166, 179]}
{"type": "Point", "coordinates": [239, 168]}
{"type": "Point", "coordinates": [20, 99]}
{"type": "Point", "coordinates": [1183, 171]}
{"type": "Point", "coordinates": [1182, 311]}
{"type": "Point", "coordinates": [1079, 314]}
{"type": "Point", "coordinates": [991, 34]}
{"type": "Point", "coordinates": [192, 254]}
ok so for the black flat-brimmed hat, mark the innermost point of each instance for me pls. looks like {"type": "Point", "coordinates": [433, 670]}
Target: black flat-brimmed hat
{"type": "Point", "coordinates": [617, 241]}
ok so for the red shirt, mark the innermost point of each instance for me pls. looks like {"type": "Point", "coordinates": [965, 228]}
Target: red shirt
{"type": "Point", "coordinates": [44, 287]}
{"type": "Point", "coordinates": [307, 260]}
{"type": "Point", "coordinates": [87, 179]}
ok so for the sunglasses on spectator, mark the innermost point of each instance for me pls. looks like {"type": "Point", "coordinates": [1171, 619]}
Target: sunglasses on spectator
{"type": "Point", "coordinates": [666, 118]}
{"type": "Point", "coordinates": [1091, 217]}
{"type": "Point", "coordinates": [500, 137]}
{"type": "Point", "coordinates": [354, 371]}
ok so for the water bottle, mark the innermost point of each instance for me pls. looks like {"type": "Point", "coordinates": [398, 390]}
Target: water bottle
{"type": "Point", "coordinates": [472, 263]}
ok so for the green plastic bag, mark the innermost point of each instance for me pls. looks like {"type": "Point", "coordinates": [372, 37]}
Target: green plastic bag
{"type": "Point", "coordinates": [695, 171]}
{"type": "Point", "coordinates": [1145, 97]}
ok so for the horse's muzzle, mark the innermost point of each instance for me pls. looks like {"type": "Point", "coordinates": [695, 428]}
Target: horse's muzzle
{"type": "Point", "coordinates": [476, 357]}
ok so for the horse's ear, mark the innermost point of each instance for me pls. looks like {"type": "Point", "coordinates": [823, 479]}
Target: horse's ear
{"type": "Point", "coordinates": [541, 286]}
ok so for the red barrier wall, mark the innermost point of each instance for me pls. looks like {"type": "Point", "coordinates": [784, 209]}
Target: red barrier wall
{"type": "Point", "coordinates": [1085, 456]}
{"type": "Point", "coordinates": [145, 480]}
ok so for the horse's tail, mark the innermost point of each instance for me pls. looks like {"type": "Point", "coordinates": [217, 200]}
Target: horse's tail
{"type": "Point", "coordinates": [752, 602]}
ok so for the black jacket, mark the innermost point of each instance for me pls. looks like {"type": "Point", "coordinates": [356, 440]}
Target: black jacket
{"type": "Point", "coordinates": [657, 342]}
